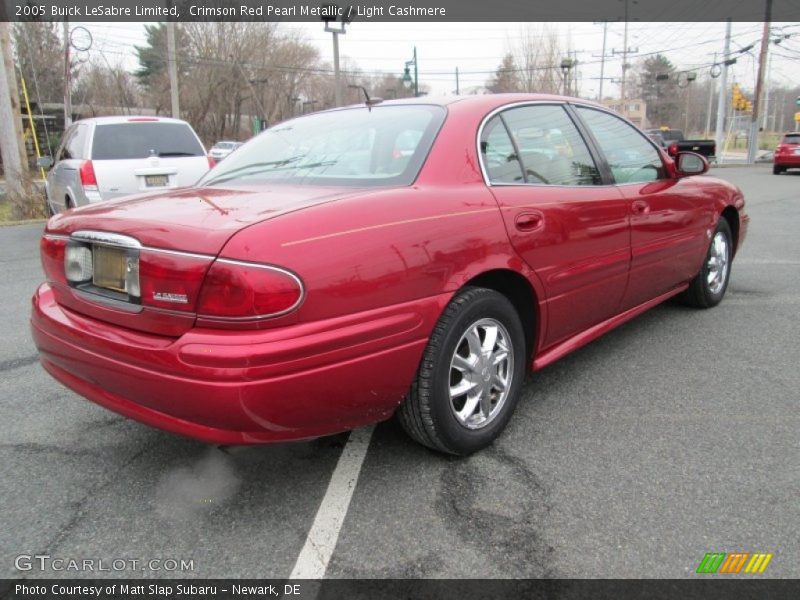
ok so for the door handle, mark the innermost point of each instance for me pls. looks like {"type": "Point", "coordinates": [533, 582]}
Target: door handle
{"type": "Point", "coordinates": [529, 221]}
{"type": "Point", "coordinates": [640, 207]}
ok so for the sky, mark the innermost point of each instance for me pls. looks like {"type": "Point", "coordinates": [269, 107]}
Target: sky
{"type": "Point", "coordinates": [477, 48]}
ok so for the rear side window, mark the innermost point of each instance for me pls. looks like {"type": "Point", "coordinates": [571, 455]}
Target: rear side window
{"type": "Point", "coordinates": [791, 139]}
{"type": "Point", "coordinates": [545, 148]}
{"type": "Point", "coordinates": [74, 146]}
{"type": "Point", "coordinates": [121, 141]}
{"type": "Point", "coordinates": [499, 154]}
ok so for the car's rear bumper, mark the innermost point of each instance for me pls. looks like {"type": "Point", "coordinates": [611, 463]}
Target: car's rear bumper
{"type": "Point", "coordinates": [787, 160]}
{"type": "Point", "coordinates": [239, 387]}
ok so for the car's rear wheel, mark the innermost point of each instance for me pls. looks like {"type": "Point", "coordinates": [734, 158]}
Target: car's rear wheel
{"type": "Point", "coordinates": [776, 170]}
{"type": "Point", "coordinates": [470, 376]}
{"type": "Point", "coordinates": [708, 287]}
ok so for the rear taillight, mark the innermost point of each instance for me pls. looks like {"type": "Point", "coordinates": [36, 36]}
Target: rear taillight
{"type": "Point", "coordinates": [52, 251]}
{"type": "Point", "coordinates": [171, 280]}
{"type": "Point", "coordinates": [212, 162]}
{"type": "Point", "coordinates": [235, 291]}
{"type": "Point", "coordinates": [88, 178]}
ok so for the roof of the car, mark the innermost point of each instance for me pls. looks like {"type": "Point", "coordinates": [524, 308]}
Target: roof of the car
{"type": "Point", "coordinates": [128, 119]}
{"type": "Point", "coordinates": [482, 100]}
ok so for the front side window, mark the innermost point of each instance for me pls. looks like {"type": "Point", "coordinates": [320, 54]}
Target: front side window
{"type": "Point", "coordinates": [631, 157]}
{"type": "Point", "coordinates": [362, 147]}
{"type": "Point", "coordinates": [65, 152]}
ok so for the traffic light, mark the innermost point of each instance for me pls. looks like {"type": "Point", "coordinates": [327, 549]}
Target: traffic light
{"type": "Point", "coordinates": [740, 102]}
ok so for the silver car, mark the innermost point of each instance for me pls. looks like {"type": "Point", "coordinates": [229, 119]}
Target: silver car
{"type": "Point", "coordinates": [222, 149]}
{"type": "Point", "coordinates": [108, 157]}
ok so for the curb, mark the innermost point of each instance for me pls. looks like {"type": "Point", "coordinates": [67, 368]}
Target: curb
{"type": "Point", "coordinates": [23, 222]}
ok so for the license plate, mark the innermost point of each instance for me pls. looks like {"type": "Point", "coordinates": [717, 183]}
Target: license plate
{"type": "Point", "coordinates": [155, 180]}
{"type": "Point", "coordinates": [110, 266]}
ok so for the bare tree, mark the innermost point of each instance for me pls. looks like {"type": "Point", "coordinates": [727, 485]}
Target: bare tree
{"type": "Point", "coordinates": [538, 56]}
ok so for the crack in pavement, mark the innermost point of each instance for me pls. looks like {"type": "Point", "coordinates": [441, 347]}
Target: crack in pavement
{"type": "Point", "coordinates": [16, 363]}
{"type": "Point", "coordinates": [79, 510]}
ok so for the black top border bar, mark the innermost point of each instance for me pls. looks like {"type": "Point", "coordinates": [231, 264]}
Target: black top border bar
{"type": "Point", "coordinates": [398, 10]}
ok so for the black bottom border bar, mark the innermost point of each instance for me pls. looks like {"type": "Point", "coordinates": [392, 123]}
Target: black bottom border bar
{"type": "Point", "coordinates": [704, 587]}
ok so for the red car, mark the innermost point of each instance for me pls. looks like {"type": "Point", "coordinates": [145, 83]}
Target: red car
{"type": "Point", "coordinates": [787, 154]}
{"type": "Point", "coordinates": [412, 257]}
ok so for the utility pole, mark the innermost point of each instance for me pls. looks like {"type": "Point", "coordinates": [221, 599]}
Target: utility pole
{"type": "Point", "coordinates": [603, 62]}
{"type": "Point", "coordinates": [722, 107]}
{"type": "Point", "coordinates": [458, 89]}
{"type": "Point", "coordinates": [624, 59]}
{"type": "Point", "coordinates": [710, 102]}
{"type": "Point", "coordinates": [67, 79]}
{"type": "Point", "coordinates": [752, 142]}
{"type": "Point", "coordinates": [15, 167]}
{"type": "Point", "coordinates": [765, 123]}
{"type": "Point", "coordinates": [173, 71]}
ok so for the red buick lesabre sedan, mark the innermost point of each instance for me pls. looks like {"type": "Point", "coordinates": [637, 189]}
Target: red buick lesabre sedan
{"type": "Point", "coordinates": [415, 257]}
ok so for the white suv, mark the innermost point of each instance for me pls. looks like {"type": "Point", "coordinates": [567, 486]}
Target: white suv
{"type": "Point", "coordinates": [108, 157]}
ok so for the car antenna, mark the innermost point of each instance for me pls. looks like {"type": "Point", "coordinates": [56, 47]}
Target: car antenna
{"type": "Point", "coordinates": [370, 102]}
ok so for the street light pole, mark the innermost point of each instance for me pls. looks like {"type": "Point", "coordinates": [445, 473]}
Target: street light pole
{"type": "Point", "coordinates": [336, 74]}
{"type": "Point", "coordinates": [416, 75]}
{"type": "Point", "coordinates": [328, 18]}
{"type": "Point", "coordinates": [407, 74]}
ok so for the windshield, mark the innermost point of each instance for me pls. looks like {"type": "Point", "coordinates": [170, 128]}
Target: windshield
{"type": "Point", "coordinates": [355, 147]}
{"type": "Point", "coordinates": [791, 139]}
{"type": "Point", "coordinates": [122, 141]}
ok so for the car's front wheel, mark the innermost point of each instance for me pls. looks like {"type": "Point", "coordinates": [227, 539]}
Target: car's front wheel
{"type": "Point", "coordinates": [776, 170]}
{"type": "Point", "coordinates": [708, 287]}
{"type": "Point", "coordinates": [470, 376]}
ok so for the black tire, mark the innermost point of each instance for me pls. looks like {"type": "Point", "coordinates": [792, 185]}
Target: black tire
{"type": "Point", "coordinates": [701, 293]}
{"type": "Point", "coordinates": [428, 413]}
{"type": "Point", "coordinates": [776, 170]}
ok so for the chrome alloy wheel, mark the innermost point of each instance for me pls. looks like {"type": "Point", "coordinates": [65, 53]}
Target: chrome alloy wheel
{"type": "Point", "coordinates": [481, 371]}
{"type": "Point", "coordinates": [717, 265]}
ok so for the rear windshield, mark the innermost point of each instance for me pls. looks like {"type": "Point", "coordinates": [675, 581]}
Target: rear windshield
{"type": "Point", "coordinates": [791, 139]}
{"type": "Point", "coordinates": [122, 141]}
{"type": "Point", "coordinates": [224, 145]}
{"type": "Point", "coordinates": [355, 147]}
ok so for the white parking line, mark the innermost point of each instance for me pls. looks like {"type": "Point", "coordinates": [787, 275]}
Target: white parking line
{"type": "Point", "coordinates": [321, 541]}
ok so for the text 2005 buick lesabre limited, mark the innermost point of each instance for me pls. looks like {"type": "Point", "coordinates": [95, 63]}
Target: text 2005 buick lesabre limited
{"type": "Point", "coordinates": [411, 257]}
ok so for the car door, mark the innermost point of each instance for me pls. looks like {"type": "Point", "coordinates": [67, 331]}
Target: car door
{"type": "Point", "coordinates": [569, 227]}
{"type": "Point", "coordinates": [669, 216]}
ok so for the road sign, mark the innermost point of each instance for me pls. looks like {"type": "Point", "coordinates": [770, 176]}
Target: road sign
{"type": "Point", "coordinates": [797, 117]}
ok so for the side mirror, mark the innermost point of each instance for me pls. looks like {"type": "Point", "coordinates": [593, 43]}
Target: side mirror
{"type": "Point", "coordinates": [44, 162]}
{"type": "Point", "coordinates": [690, 163]}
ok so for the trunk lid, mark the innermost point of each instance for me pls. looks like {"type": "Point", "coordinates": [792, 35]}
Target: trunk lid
{"type": "Point", "coordinates": [168, 240]}
{"type": "Point", "coordinates": [197, 220]}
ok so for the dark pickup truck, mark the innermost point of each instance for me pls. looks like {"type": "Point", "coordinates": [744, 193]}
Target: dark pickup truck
{"type": "Point", "coordinates": [674, 142]}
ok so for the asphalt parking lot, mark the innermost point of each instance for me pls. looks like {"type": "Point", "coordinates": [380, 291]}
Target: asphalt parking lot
{"type": "Point", "coordinates": [672, 436]}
